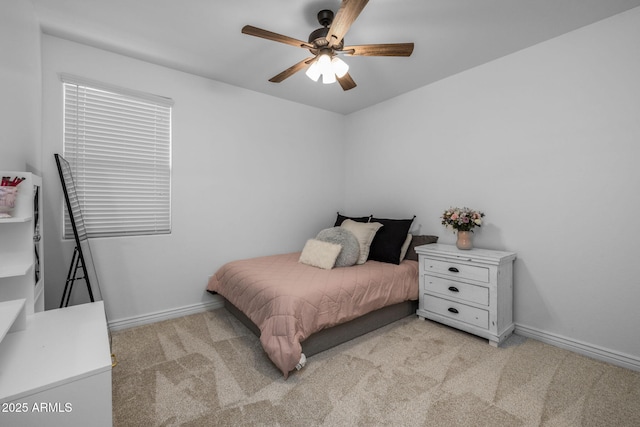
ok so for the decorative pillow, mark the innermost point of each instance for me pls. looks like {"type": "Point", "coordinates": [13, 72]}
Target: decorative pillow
{"type": "Point", "coordinates": [345, 238]}
{"type": "Point", "coordinates": [341, 218]}
{"type": "Point", "coordinates": [364, 232]}
{"type": "Point", "coordinates": [419, 241]}
{"type": "Point", "coordinates": [320, 254]}
{"type": "Point", "coordinates": [405, 246]}
{"type": "Point", "coordinates": [387, 245]}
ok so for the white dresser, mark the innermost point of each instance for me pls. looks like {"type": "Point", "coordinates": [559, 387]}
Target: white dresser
{"type": "Point", "coordinates": [471, 290]}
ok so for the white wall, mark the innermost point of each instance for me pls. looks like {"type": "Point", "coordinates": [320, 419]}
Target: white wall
{"type": "Point", "coordinates": [249, 177]}
{"type": "Point", "coordinates": [20, 87]}
{"type": "Point", "coordinates": [546, 141]}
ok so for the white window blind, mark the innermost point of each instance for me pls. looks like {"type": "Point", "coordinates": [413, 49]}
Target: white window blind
{"type": "Point", "coordinates": [118, 144]}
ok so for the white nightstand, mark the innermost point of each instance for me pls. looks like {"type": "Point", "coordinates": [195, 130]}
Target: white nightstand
{"type": "Point", "coordinates": [471, 290]}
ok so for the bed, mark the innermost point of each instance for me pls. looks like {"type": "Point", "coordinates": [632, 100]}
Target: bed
{"type": "Point", "coordinates": [293, 305]}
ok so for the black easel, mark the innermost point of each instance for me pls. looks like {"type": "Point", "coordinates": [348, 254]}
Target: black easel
{"type": "Point", "coordinates": [79, 233]}
{"type": "Point", "coordinates": [72, 276]}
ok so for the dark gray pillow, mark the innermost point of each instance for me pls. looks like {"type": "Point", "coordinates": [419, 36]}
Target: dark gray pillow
{"type": "Point", "coordinates": [419, 241]}
{"type": "Point", "coordinates": [350, 247]}
{"type": "Point", "coordinates": [340, 218]}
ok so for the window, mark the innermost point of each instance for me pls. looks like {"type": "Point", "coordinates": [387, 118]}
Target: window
{"type": "Point", "coordinates": [118, 143]}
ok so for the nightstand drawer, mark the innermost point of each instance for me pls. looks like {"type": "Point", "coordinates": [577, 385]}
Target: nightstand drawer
{"type": "Point", "coordinates": [453, 310]}
{"type": "Point", "coordinates": [460, 271]}
{"type": "Point", "coordinates": [458, 290]}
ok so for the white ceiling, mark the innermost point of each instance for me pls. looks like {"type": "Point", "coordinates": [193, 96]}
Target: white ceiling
{"type": "Point", "coordinates": [203, 37]}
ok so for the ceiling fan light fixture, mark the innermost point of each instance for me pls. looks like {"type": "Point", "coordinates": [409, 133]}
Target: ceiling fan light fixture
{"type": "Point", "coordinates": [324, 62]}
{"type": "Point", "coordinates": [324, 67]}
{"type": "Point", "coordinates": [340, 67]}
{"type": "Point", "coordinates": [329, 68]}
{"type": "Point", "coordinates": [314, 71]}
{"type": "Point", "coordinates": [329, 77]}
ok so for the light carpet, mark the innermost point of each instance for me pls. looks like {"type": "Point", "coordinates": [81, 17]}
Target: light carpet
{"type": "Point", "coordinates": [208, 369]}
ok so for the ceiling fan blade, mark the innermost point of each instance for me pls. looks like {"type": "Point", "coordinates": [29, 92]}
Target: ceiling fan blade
{"type": "Point", "coordinates": [259, 32]}
{"type": "Point", "coordinates": [346, 82]}
{"type": "Point", "coordinates": [292, 70]}
{"type": "Point", "coordinates": [390, 49]}
{"type": "Point", "coordinates": [348, 12]}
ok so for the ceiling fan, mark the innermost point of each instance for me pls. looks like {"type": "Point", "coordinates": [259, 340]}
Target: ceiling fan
{"type": "Point", "coordinates": [327, 42]}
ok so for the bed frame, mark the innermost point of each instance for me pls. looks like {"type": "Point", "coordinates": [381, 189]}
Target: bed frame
{"type": "Point", "coordinates": [336, 335]}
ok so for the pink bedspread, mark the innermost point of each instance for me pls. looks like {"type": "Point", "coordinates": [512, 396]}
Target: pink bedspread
{"type": "Point", "coordinates": [289, 301]}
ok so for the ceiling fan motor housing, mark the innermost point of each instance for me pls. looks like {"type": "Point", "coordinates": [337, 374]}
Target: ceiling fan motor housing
{"type": "Point", "coordinates": [318, 37]}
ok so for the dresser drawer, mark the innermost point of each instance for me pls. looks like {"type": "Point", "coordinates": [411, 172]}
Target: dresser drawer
{"type": "Point", "coordinates": [453, 269]}
{"type": "Point", "coordinates": [453, 310]}
{"type": "Point", "coordinates": [458, 290]}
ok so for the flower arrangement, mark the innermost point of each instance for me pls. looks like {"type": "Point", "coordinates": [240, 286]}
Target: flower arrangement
{"type": "Point", "coordinates": [464, 219]}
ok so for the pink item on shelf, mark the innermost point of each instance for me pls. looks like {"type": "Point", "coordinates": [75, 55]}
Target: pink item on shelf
{"type": "Point", "coordinates": [8, 196]}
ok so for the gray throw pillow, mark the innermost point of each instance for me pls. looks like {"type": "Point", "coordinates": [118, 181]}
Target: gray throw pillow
{"type": "Point", "coordinates": [419, 241]}
{"type": "Point", "coordinates": [350, 246]}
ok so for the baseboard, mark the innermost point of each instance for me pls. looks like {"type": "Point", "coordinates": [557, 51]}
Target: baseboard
{"type": "Point", "coordinates": [159, 316]}
{"type": "Point", "coordinates": [589, 350]}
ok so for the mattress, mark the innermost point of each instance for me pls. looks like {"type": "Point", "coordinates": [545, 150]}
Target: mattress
{"type": "Point", "coordinates": [289, 301]}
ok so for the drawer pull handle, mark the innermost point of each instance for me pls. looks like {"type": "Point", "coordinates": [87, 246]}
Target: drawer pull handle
{"type": "Point", "coordinates": [453, 289]}
{"type": "Point", "coordinates": [454, 270]}
{"type": "Point", "coordinates": [453, 310]}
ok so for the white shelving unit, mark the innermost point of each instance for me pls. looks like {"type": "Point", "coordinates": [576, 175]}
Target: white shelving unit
{"type": "Point", "coordinates": [19, 265]}
{"type": "Point", "coordinates": [12, 316]}
{"type": "Point", "coordinates": [55, 366]}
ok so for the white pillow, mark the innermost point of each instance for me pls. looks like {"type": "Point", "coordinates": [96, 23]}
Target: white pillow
{"type": "Point", "coordinates": [405, 247]}
{"type": "Point", "coordinates": [320, 254]}
{"type": "Point", "coordinates": [364, 232]}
